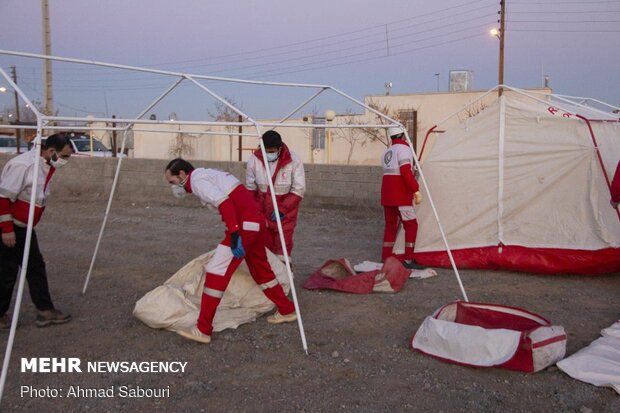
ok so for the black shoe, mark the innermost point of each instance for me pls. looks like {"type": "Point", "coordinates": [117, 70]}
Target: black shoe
{"type": "Point", "coordinates": [412, 265]}
{"type": "Point", "coordinates": [49, 317]}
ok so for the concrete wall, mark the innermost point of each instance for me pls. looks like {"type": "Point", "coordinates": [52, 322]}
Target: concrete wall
{"type": "Point", "coordinates": [431, 107]}
{"type": "Point", "coordinates": [142, 181]}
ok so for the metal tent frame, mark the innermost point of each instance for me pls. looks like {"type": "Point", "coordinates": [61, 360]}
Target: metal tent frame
{"type": "Point", "coordinates": [48, 123]}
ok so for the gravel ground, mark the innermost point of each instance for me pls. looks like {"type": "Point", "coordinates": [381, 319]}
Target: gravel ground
{"type": "Point", "coordinates": [359, 359]}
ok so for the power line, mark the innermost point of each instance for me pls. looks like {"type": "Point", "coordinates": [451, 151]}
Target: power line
{"type": "Point", "coordinates": [381, 57]}
{"type": "Point", "coordinates": [323, 54]}
{"type": "Point", "coordinates": [381, 49]}
{"type": "Point", "coordinates": [306, 56]}
{"type": "Point", "coordinates": [270, 74]}
{"type": "Point", "coordinates": [380, 41]}
{"type": "Point", "coordinates": [376, 35]}
{"type": "Point", "coordinates": [304, 68]}
{"type": "Point", "coordinates": [330, 37]}
{"type": "Point", "coordinates": [56, 103]}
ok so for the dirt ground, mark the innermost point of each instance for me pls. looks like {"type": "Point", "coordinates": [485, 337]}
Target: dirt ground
{"type": "Point", "coordinates": [359, 358]}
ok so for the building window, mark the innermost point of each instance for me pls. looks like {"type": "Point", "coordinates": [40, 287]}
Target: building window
{"type": "Point", "coordinates": [318, 134]}
{"type": "Point", "coordinates": [409, 118]}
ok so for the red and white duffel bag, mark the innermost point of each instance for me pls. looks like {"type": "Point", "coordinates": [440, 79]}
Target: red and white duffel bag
{"type": "Point", "coordinates": [490, 335]}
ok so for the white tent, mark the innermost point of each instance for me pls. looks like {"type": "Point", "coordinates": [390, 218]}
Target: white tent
{"type": "Point", "coordinates": [524, 185]}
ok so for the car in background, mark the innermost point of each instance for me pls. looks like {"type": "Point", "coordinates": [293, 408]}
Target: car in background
{"type": "Point", "coordinates": [8, 144]}
{"type": "Point", "coordinates": [81, 145]}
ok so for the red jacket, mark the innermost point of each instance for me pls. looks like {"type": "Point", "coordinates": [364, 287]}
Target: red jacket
{"type": "Point", "coordinates": [221, 190]}
{"type": "Point", "coordinates": [398, 184]}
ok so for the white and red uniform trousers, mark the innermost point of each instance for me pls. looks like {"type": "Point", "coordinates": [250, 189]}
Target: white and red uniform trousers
{"type": "Point", "coordinates": [398, 187]}
{"type": "Point", "coordinates": [241, 214]}
{"type": "Point", "coordinates": [289, 183]}
{"type": "Point", "coordinates": [15, 190]}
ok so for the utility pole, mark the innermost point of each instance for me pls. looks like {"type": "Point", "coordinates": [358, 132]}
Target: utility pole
{"type": "Point", "coordinates": [47, 64]}
{"type": "Point", "coordinates": [18, 132]}
{"type": "Point", "coordinates": [502, 36]}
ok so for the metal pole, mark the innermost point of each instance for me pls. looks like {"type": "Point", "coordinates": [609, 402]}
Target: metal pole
{"type": "Point", "coordinates": [443, 234]}
{"type": "Point", "coordinates": [300, 106]}
{"type": "Point", "coordinates": [282, 241]}
{"type": "Point", "coordinates": [24, 265]}
{"type": "Point", "coordinates": [161, 72]}
{"type": "Point", "coordinates": [430, 199]}
{"type": "Point", "coordinates": [144, 121]}
{"type": "Point", "coordinates": [116, 175]}
{"type": "Point", "coordinates": [219, 98]}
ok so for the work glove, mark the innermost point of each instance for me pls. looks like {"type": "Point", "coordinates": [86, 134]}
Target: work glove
{"type": "Point", "coordinates": [236, 246]}
{"type": "Point", "coordinates": [417, 198]}
{"type": "Point", "coordinates": [273, 216]}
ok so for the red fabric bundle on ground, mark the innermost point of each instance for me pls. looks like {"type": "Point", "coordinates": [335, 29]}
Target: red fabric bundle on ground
{"type": "Point", "coordinates": [339, 275]}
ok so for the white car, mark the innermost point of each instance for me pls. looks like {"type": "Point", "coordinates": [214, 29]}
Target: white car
{"type": "Point", "coordinates": [82, 147]}
{"type": "Point", "coordinates": [8, 144]}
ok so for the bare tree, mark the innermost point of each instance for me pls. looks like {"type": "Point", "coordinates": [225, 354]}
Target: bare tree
{"type": "Point", "coordinates": [352, 136]}
{"type": "Point", "coordinates": [183, 144]}
{"type": "Point", "coordinates": [472, 110]}
{"type": "Point", "coordinates": [375, 134]}
{"type": "Point", "coordinates": [223, 113]}
{"type": "Point", "coordinates": [381, 135]}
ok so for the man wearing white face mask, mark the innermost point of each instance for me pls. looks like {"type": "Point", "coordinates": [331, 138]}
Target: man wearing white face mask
{"type": "Point", "coordinates": [289, 182]}
{"type": "Point", "coordinates": [244, 239]}
{"type": "Point", "coordinates": [15, 190]}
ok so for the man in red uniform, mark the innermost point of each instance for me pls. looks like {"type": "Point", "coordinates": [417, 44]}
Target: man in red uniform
{"type": "Point", "coordinates": [244, 238]}
{"type": "Point", "coordinates": [15, 191]}
{"type": "Point", "coordinates": [289, 182]}
{"type": "Point", "coordinates": [615, 188]}
{"type": "Point", "coordinates": [399, 192]}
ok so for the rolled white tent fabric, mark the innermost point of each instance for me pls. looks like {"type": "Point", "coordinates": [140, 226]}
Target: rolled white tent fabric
{"type": "Point", "coordinates": [175, 304]}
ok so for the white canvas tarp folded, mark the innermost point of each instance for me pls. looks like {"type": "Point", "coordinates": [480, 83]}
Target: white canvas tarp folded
{"type": "Point", "coordinates": [599, 363]}
{"type": "Point", "coordinates": [175, 304]}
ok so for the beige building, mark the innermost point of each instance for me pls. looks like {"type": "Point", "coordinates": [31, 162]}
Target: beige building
{"type": "Point", "coordinates": [417, 111]}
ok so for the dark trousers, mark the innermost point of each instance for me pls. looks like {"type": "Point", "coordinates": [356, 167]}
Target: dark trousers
{"type": "Point", "coordinates": [10, 263]}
